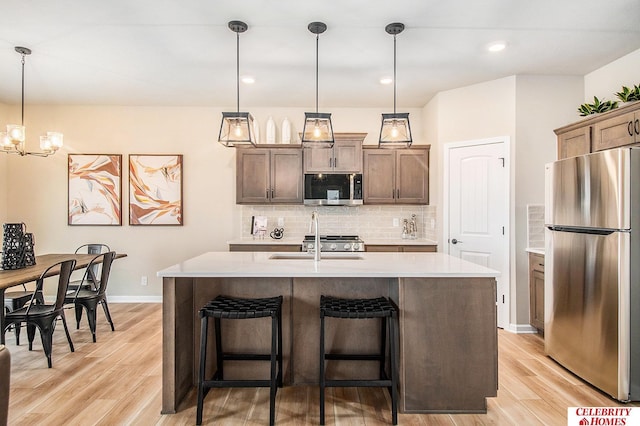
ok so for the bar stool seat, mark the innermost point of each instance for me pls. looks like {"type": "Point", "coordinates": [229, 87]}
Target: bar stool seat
{"type": "Point", "coordinates": [380, 307]}
{"type": "Point", "coordinates": [240, 308]}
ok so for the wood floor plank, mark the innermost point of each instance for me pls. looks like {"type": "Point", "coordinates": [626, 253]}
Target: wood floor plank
{"type": "Point", "coordinates": [117, 381]}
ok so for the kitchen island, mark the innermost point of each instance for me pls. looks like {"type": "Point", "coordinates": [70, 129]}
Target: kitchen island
{"type": "Point", "coordinates": [448, 337]}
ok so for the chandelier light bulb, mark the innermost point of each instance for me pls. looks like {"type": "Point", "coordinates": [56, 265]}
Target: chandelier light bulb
{"type": "Point", "coordinates": [316, 131]}
{"type": "Point", "coordinates": [16, 133]}
{"type": "Point", "coordinates": [45, 144]}
{"type": "Point", "coordinates": [56, 139]}
{"type": "Point", "coordinates": [394, 131]}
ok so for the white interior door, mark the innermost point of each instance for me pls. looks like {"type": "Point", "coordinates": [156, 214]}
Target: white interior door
{"type": "Point", "coordinates": [478, 206]}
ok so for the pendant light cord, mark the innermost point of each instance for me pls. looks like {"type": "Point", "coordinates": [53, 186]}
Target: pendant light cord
{"type": "Point", "coordinates": [394, 73]}
{"type": "Point", "coordinates": [23, 89]}
{"type": "Point", "coordinates": [317, 43]}
{"type": "Point", "coordinates": [238, 72]}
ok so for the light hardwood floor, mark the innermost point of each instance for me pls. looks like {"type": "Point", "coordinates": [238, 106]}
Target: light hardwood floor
{"type": "Point", "coordinates": [118, 381]}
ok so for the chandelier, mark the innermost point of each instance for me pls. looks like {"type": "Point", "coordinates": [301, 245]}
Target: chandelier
{"type": "Point", "coordinates": [13, 140]}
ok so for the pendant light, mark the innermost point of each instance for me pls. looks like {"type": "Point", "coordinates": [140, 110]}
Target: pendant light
{"type": "Point", "coordinates": [395, 131]}
{"type": "Point", "coordinates": [317, 131]}
{"type": "Point", "coordinates": [13, 140]}
{"type": "Point", "coordinates": [237, 127]}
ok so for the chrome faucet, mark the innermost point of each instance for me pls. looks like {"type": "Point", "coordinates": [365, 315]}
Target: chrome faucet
{"type": "Point", "coordinates": [314, 223]}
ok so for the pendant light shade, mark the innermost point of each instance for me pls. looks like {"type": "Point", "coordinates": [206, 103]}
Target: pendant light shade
{"type": "Point", "coordinates": [317, 131]}
{"type": "Point", "coordinates": [13, 140]}
{"type": "Point", "coordinates": [395, 131]}
{"type": "Point", "coordinates": [237, 127]}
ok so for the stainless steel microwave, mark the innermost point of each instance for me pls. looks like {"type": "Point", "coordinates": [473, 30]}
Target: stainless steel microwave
{"type": "Point", "coordinates": [333, 189]}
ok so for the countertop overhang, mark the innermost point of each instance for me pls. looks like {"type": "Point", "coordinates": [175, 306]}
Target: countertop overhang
{"type": "Point", "coordinates": [371, 265]}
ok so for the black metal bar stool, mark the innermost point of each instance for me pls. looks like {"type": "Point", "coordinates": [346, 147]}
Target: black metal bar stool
{"type": "Point", "coordinates": [236, 308]}
{"type": "Point", "coordinates": [380, 307]}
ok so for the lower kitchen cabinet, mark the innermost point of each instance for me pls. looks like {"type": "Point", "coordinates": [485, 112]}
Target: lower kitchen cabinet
{"type": "Point", "coordinates": [268, 175]}
{"type": "Point", "coordinates": [399, 248]}
{"type": "Point", "coordinates": [536, 291]}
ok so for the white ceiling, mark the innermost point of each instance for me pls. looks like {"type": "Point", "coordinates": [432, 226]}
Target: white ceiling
{"type": "Point", "coordinates": [164, 52]}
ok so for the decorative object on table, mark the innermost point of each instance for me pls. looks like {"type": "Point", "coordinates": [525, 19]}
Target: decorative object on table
{"type": "Point", "coordinates": [286, 131]}
{"type": "Point", "coordinates": [95, 189]}
{"type": "Point", "coordinates": [277, 233]}
{"type": "Point", "coordinates": [155, 189]}
{"type": "Point", "coordinates": [395, 130]}
{"type": "Point", "coordinates": [629, 95]}
{"type": "Point", "coordinates": [17, 247]}
{"type": "Point", "coordinates": [237, 127]}
{"type": "Point", "coordinates": [596, 107]}
{"type": "Point", "coordinates": [13, 140]}
{"type": "Point", "coordinates": [271, 130]}
{"type": "Point", "coordinates": [318, 130]}
{"type": "Point", "coordinates": [259, 226]}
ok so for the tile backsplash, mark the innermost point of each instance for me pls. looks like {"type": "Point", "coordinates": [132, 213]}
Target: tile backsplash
{"type": "Point", "coordinates": [535, 226]}
{"type": "Point", "coordinates": [365, 221]}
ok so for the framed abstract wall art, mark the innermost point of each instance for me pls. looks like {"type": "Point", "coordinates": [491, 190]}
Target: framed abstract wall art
{"type": "Point", "coordinates": [155, 189]}
{"type": "Point", "coordinates": [95, 189]}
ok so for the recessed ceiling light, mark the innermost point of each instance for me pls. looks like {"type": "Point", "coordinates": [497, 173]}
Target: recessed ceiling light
{"type": "Point", "coordinates": [386, 80]}
{"type": "Point", "coordinates": [496, 46]}
{"type": "Point", "coordinates": [247, 79]}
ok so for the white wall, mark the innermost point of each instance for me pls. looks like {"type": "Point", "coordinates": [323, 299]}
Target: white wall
{"type": "Point", "coordinates": [543, 103]}
{"type": "Point", "coordinates": [37, 187]}
{"type": "Point", "coordinates": [526, 109]}
{"type": "Point", "coordinates": [4, 172]}
{"type": "Point", "coordinates": [605, 81]}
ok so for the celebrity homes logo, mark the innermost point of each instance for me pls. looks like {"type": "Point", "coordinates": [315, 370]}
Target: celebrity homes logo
{"type": "Point", "coordinates": [603, 416]}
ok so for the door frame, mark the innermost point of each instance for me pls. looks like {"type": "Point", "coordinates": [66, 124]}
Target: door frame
{"type": "Point", "coordinates": [508, 206]}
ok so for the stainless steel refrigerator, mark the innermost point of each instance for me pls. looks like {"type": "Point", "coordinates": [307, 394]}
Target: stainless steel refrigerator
{"type": "Point", "coordinates": [592, 269]}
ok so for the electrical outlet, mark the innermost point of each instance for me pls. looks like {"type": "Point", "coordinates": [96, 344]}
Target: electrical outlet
{"type": "Point", "coordinates": [144, 280]}
{"type": "Point", "coordinates": [281, 221]}
{"type": "Point", "coordinates": [396, 222]}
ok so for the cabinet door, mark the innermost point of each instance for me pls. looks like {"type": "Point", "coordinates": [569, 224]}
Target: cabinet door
{"type": "Point", "coordinates": [536, 290]}
{"type": "Point", "coordinates": [347, 156]}
{"type": "Point", "coordinates": [286, 176]}
{"type": "Point", "coordinates": [412, 176]}
{"type": "Point", "coordinates": [575, 142]}
{"type": "Point", "coordinates": [379, 176]}
{"type": "Point", "coordinates": [614, 132]}
{"type": "Point", "coordinates": [252, 176]}
{"type": "Point", "coordinates": [318, 160]}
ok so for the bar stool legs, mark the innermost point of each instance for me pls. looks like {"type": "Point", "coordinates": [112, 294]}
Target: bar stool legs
{"type": "Point", "coordinates": [235, 308]}
{"type": "Point", "coordinates": [381, 308]}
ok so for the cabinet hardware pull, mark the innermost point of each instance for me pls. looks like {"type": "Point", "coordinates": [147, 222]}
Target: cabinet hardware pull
{"type": "Point", "coordinates": [267, 194]}
{"type": "Point", "coordinates": [398, 193]}
{"type": "Point", "coordinates": [330, 161]}
{"type": "Point", "coordinates": [335, 161]}
{"type": "Point", "coordinates": [630, 128]}
{"type": "Point", "coordinates": [637, 126]}
{"type": "Point", "coordinates": [272, 193]}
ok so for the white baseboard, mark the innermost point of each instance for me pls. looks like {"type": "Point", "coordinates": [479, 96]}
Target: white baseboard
{"type": "Point", "coordinates": [522, 329]}
{"type": "Point", "coordinates": [134, 299]}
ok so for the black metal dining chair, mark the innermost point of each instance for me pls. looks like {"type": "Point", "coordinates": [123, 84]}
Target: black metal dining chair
{"type": "Point", "coordinates": [89, 298]}
{"type": "Point", "coordinates": [14, 300]}
{"type": "Point", "coordinates": [91, 279]}
{"type": "Point", "coordinates": [41, 315]}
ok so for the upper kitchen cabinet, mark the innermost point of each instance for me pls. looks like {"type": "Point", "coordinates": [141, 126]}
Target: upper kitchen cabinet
{"type": "Point", "coordinates": [608, 130]}
{"type": "Point", "coordinates": [619, 130]}
{"type": "Point", "coordinates": [344, 157]}
{"type": "Point", "coordinates": [396, 176]}
{"type": "Point", "coordinates": [574, 142]}
{"type": "Point", "coordinates": [268, 175]}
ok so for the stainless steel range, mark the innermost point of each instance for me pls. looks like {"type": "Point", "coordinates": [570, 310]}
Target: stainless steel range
{"type": "Point", "coordinates": [334, 243]}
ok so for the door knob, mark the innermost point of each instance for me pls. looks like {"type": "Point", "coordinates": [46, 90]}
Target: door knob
{"type": "Point", "coordinates": [454, 241]}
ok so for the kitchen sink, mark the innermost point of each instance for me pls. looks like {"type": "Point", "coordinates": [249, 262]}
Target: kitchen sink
{"type": "Point", "coordinates": [310, 256]}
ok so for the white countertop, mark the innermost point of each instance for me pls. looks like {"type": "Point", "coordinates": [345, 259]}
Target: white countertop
{"type": "Point", "coordinates": [535, 250]}
{"type": "Point", "coordinates": [371, 241]}
{"type": "Point", "coordinates": [267, 240]}
{"type": "Point", "coordinates": [377, 265]}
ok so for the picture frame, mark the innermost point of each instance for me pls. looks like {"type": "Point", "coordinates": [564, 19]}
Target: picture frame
{"type": "Point", "coordinates": [155, 189]}
{"type": "Point", "coordinates": [94, 194]}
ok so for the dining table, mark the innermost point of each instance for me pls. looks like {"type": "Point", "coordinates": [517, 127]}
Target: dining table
{"type": "Point", "coordinates": [14, 277]}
